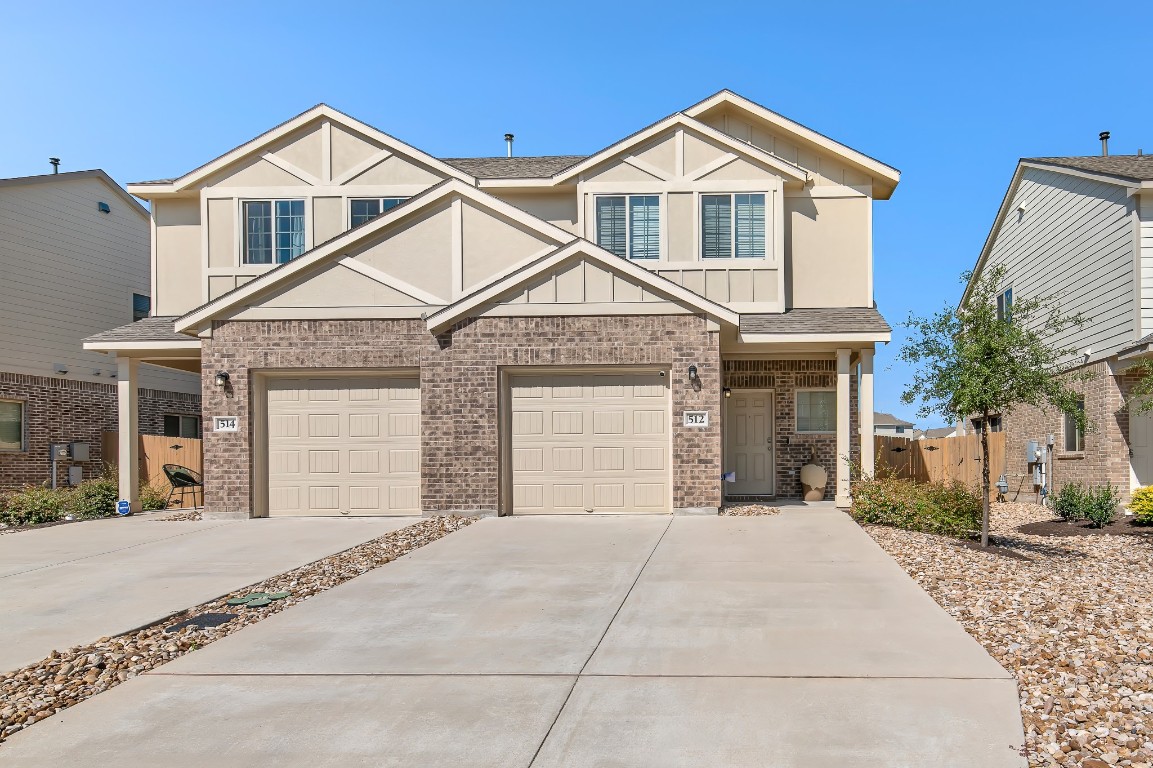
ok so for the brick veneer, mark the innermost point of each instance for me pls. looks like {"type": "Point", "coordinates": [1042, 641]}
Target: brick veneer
{"type": "Point", "coordinates": [459, 373]}
{"type": "Point", "coordinates": [58, 410]}
{"type": "Point", "coordinates": [1106, 454]}
{"type": "Point", "coordinates": [795, 449]}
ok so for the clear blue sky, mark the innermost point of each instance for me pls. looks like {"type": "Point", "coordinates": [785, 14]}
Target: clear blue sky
{"type": "Point", "coordinates": [951, 94]}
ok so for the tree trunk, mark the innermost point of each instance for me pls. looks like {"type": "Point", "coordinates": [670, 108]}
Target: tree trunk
{"type": "Point", "coordinates": [985, 478]}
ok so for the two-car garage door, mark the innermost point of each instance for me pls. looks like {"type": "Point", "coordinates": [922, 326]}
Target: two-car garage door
{"type": "Point", "coordinates": [344, 446]}
{"type": "Point", "coordinates": [590, 442]}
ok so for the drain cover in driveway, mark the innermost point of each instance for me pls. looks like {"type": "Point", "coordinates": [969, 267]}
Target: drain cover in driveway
{"type": "Point", "coordinates": [203, 621]}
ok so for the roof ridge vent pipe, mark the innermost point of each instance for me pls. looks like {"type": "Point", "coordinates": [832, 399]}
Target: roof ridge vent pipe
{"type": "Point", "coordinates": [55, 161]}
{"type": "Point", "coordinates": [1104, 136]}
{"type": "Point", "coordinates": [508, 139]}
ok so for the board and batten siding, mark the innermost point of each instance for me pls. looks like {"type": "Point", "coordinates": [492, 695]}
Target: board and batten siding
{"type": "Point", "coordinates": [69, 271]}
{"type": "Point", "coordinates": [1073, 237]}
{"type": "Point", "coordinates": [1145, 246]}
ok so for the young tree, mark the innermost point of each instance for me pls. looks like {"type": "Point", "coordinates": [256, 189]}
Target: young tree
{"type": "Point", "coordinates": [974, 360]}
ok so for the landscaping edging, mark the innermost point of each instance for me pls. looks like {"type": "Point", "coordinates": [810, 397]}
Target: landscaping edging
{"type": "Point", "coordinates": [61, 680]}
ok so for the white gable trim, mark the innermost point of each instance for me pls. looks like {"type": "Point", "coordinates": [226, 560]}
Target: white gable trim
{"type": "Point", "coordinates": [385, 279]}
{"type": "Point", "coordinates": [255, 146]}
{"type": "Point", "coordinates": [623, 149]}
{"type": "Point", "coordinates": [469, 305]}
{"type": "Point", "coordinates": [197, 319]}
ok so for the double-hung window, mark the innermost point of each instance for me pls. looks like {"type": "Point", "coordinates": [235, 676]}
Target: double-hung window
{"type": "Point", "coordinates": [273, 231]}
{"type": "Point", "coordinates": [630, 225]}
{"type": "Point", "coordinates": [1005, 304]}
{"type": "Point", "coordinates": [364, 209]}
{"type": "Point", "coordinates": [733, 226]}
{"type": "Point", "coordinates": [1074, 435]}
{"type": "Point", "coordinates": [181, 426]}
{"type": "Point", "coordinates": [11, 425]}
{"type": "Point", "coordinates": [816, 410]}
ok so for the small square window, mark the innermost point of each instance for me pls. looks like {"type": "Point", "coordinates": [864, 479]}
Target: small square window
{"type": "Point", "coordinates": [181, 426]}
{"type": "Point", "coordinates": [816, 410]}
{"type": "Point", "coordinates": [141, 306]}
{"type": "Point", "coordinates": [11, 425]}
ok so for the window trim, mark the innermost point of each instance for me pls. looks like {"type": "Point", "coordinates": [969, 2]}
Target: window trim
{"type": "Point", "coordinates": [381, 198]}
{"type": "Point", "coordinates": [770, 227]}
{"type": "Point", "coordinates": [23, 425]}
{"type": "Point", "coordinates": [797, 411]}
{"type": "Point", "coordinates": [662, 254]}
{"type": "Point", "coordinates": [242, 228]}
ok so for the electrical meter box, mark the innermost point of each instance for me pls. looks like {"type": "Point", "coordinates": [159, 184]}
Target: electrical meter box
{"type": "Point", "coordinates": [79, 451]}
{"type": "Point", "coordinates": [1031, 452]}
{"type": "Point", "coordinates": [59, 452]}
{"type": "Point", "coordinates": [75, 475]}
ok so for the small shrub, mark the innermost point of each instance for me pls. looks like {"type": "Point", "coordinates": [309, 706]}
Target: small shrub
{"type": "Point", "coordinates": [945, 509]}
{"type": "Point", "coordinates": [34, 505]}
{"type": "Point", "coordinates": [1100, 505]}
{"type": "Point", "coordinates": [1069, 502]}
{"type": "Point", "coordinates": [93, 499]}
{"type": "Point", "coordinates": [1141, 505]}
{"type": "Point", "coordinates": [152, 497]}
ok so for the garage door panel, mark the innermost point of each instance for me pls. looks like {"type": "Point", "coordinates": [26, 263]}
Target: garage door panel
{"type": "Point", "coordinates": [323, 425]}
{"type": "Point", "coordinates": [608, 423]}
{"type": "Point", "coordinates": [323, 462]}
{"type": "Point", "coordinates": [568, 459]}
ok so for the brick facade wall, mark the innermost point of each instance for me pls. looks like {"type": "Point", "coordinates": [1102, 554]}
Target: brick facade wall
{"type": "Point", "coordinates": [459, 373]}
{"type": "Point", "coordinates": [1106, 455]}
{"type": "Point", "coordinates": [795, 449]}
{"type": "Point", "coordinates": [58, 410]}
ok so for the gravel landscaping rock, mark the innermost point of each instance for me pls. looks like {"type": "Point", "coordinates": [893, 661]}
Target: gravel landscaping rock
{"type": "Point", "coordinates": [749, 510]}
{"type": "Point", "coordinates": [1071, 617]}
{"type": "Point", "coordinates": [66, 678]}
{"type": "Point", "coordinates": [191, 515]}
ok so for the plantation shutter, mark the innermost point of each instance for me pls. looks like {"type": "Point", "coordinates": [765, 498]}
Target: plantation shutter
{"type": "Point", "coordinates": [611, 225]}
{"type": "Point", "coordinates": [716, 226]}
{"type": "Point", "coordinates": [750, 226]}
{"type": "Point", "coordinates": [644, 227]}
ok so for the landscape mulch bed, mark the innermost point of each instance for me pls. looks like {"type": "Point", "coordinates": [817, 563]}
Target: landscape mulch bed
{"type": "Point", "coordinates": [1122, 526]}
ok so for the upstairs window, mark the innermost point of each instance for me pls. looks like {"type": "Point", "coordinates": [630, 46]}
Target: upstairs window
{"type": "Point", "coordinates": [364, 209]}
{"type": "Point", "coordinates": [1005, 304]}
{"type": "Point", "coordinates": [733, 226]}
{"type": "Point", "coordinates": [141, 306]}
{"type": "Point", "coordinates": [630, 225]}
{"type": "Point", "coordinates": [273, 231]}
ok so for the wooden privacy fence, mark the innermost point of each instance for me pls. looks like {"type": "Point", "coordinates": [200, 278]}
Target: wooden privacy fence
{"type": "Point", "coordinates": [945, 458]}
{"type": "Point", "coordinates": [155, 452]}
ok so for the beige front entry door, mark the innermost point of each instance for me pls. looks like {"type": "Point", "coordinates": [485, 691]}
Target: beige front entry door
{"type": "Point", "coordinates": [1141, 448]}
{"type": "Point", "coordinates": [343, 446]}
{"type": "Point", "coordinates": [590, 442]}
{"type": "Point", "coordinates": [749, 459]}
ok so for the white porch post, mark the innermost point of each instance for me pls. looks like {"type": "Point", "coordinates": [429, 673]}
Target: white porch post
{"type": "Point", "coordinates": [843, 423]}
{"type": "Point", "coordinates": [865, 412]}
{"type": "Point", "coordinates": [128, 460]}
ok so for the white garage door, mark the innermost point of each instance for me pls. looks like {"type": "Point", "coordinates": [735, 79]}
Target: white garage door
{"type": "Point", "coordinates": [344, 446]}
{"type": "Point", "coordinates": [594, 442]}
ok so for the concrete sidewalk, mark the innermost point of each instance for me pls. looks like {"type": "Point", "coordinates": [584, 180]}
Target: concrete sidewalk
{"type": "Point", "coordinates": [72, 584]}
{"type": "Point", "coordinates": [619, 641]}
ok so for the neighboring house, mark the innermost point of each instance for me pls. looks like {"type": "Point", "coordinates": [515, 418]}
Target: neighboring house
{"type": "Point", "coordinates": [888, 424]}
{"type": "Point", "coordinates": [388, 332]}
{"type": "Point", "coordinates": [1082, 227]}
{"type": "Point", "coordinates": [939, 432]}
{"type": "Point", "coordinates": [74, 256]}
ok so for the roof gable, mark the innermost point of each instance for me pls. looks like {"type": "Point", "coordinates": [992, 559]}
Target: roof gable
{"type": "Point", "coordinates": [69, 176]}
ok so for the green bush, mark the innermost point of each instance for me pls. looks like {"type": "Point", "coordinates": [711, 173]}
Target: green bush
{"type": "Point", "coordinates": [1141, 505]}
{"type": "Point", "coordinates": [946, 509]}
{"type": "Point", "coordinates": [152, 498]}
{"type": "Point", "coordinates": [92, 499]}
{"type": "Point", "coordinates": [34, 505]}
{"type": "Point", "coordinates": [1101, 505]}
{"type": "Point", "coordinates": [1069, 502]}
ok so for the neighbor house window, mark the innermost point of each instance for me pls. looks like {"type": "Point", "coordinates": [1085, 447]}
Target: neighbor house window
{"type": "Point", "coordinates": [273, 231]}
{"type": "Point", "coordinates": [11, 425]}
{"type": "Point", "coordinates": [1074, 435]}
{"type": "Point", "coordinates": [816, 410]}
{"type": "Point", "coordinates": [181, 426]}
{"type": "Point", "coordinates": [364, 209]}
{"type": "Point", "coordinates": [1005, 304]}
{"type": "Point", "coordinates": [141, 306]}
{"type": "Point", "coordinates": [733, 226]}
{"type": "Point", "coordinates": [630, 225]}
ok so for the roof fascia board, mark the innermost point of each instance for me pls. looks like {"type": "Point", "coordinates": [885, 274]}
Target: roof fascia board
{"type": "Point", "coordinates": [195, 319]}
{"type": "Point", "coordinates": [785, 338]}
{"type": "Point", "coordinates": [1121, 181]}
{"type": "Point", "coordinates": [873, 165]}
{"type": "Point", "coordinates": [131, 346]}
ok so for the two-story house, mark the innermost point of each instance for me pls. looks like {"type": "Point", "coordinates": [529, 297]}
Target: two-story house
{"type": "Point", "coordinates": [74, 260]}
{"type": "Point", "coordinates": [385, 332]}
{"type": "Point", "coordinates": [1081, 228]}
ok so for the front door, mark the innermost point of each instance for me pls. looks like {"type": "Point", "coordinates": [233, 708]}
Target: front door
{"type": "Point", "coordinates": [749, 464]}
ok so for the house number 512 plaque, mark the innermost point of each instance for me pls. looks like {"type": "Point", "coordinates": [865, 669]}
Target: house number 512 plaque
{"type": "Point", "coordinates": [696, 418]}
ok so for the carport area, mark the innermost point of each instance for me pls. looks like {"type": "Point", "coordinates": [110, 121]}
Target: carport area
{"type": "Point", "coordinates": [791, 640]}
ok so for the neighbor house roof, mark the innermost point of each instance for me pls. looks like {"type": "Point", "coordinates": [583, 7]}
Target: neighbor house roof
{"type": "Point", "coordinates": [1133, 167]}
{"type": "Point", "coordinates": [513, 167]}
{"type": "Point", "coordinates": [817, 320]}
{"type": "Point", "coordinates": [889, 420]}
{"type": "Point", "coordinates": [95, 173]}
{"type": "Point", "coordinates": [162, 328]}
{"type": "Point", "coordinates": [936, 432]}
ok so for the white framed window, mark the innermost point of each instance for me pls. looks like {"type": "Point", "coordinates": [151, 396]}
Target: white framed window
{"type": "Point", "coordinates": [273, 231]}
{"type": "Point", "coordinates": [363, 209]}
{"type": "Point", "coordinates": [1005, 304]}
{"type": "Point", "coordinates": [629, 225]}
{"type": "Point", "coordinates": [1074, 435]}
{"type": "Point", "coordinates": [181, 426]}
{"type": "Point", "coordinates": [12, 425]}
{"type": "Point", "coordinates": [816, 410]}
{"type": "Point", "coordinates": [733, 226]}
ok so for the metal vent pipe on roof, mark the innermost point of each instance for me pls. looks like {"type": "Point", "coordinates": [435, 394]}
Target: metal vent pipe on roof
{"type": "Point", "coordinates": [508, 138]}
{"type": "Point", "coordinates": [55, 164]}
{"type": "Point", "coordinates": [1104, 136]}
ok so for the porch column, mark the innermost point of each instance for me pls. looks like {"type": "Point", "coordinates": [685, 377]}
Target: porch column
{"type": "Point", "coordinates": [843, 423]}
{"type": "Point", "coordinates": [865, 412]}
{"type": "Point", "coordinates": [128, 459]}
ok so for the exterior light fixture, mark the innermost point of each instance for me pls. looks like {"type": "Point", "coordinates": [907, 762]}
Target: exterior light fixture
{"type": "Point", "coordinates": [692, 372]}
{"type": "Point", "coordinates": [728, 392]}
{"type": "Point", "coordinates": [221, 379]}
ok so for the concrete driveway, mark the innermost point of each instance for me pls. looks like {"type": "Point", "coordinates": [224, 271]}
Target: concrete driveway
{"type": "Point", "coordinates": [72, 584]}
{"type": "Point", "coordinates": [613, 641]}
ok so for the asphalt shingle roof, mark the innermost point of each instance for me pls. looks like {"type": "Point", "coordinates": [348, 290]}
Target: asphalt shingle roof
{"type": "Point", "coordinates": [513, 167]}
{"type": "Point", "coordinates": [887, 419]}
{"type": "Point", "coordinates": [149, 329]}
{"type": "Point", "coordinates": [1135, 167]}
{"type": "Point", "coordinates": [936, 432]}
{"type": "Point", "coordinates": [818, 320]}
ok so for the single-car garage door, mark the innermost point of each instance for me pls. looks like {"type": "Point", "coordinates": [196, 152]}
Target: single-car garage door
{"type": "Point", "coordinates": [590, 442]}
{"type": "Point", "coordinates": [343, 446]}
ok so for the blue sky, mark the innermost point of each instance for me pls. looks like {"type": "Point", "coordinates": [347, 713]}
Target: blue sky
{"type": "Point", "coordinates": [951, 94]}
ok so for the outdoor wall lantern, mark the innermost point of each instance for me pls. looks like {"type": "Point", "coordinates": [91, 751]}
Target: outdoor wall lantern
{"type": "Point", "coordinates": [692, 372]}
{"type": "Point", "coordinates": [728, 392]}
{"type": "Point", "coordinates": [221, 379]}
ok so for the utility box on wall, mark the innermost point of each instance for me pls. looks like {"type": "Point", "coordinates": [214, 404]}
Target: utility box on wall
{"type": "Point", "coordinates": [75, 475]}
{"type": "Point", "coordinates": [79, 451]}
